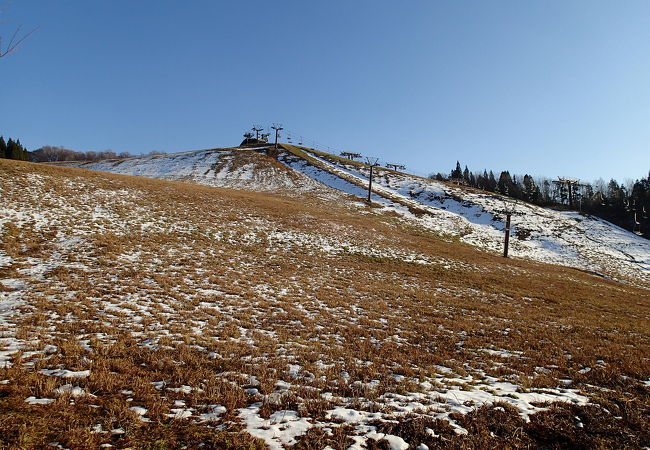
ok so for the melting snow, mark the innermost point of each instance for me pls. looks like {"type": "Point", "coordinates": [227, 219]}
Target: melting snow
{"type": "Point", "coordinates": [64, 373]}
{"type": "Point", "coordinates": [280, 429]}
{"type": "Point", "coordinates": [39, 401]}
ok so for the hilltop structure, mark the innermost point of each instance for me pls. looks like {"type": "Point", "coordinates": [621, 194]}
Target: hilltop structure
{"type": "Point", "coordinates": [258, 139]}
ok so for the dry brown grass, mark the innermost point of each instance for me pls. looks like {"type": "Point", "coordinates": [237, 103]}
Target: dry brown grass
{"type": "Point", "coordinates": [143, 281]}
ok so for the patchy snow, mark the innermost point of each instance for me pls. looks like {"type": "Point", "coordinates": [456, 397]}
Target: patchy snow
{"type": "Point", "coordinates": [8, 346]}
{"type": "Point", "coordinates": [475, 217]}
{"type": "Point", "coordinates": [246, 169]}
{"type": "Point", "coordinates": [180, 412]}
{"type": "Point", "coordinates": [182, 390]}
{"type": "Point", "coordinates": [214, 412]}
{"type": "Point", "coordinates": [239, 307]}
{"type": "Point", "coordinates": [39, 401]}
{"type": "Point", "coordinates": [68, 389]}
{"type": "Point", "coordinates": [501, 353]}
{"type": "Point", "coordinates": [5, 260]}
{"type": "Point", "coordinates": [280, 429]}
{"type": "Point", "coordinates": [394, 442]}
{"type": "Point", "coordinates": [64, 373]}
{"type": "Point", "coordinates": [453, 395]}
{"type": "Point", "coordinates": [139, 410]}
{"type": "Point", "coordinates": [542, 234]}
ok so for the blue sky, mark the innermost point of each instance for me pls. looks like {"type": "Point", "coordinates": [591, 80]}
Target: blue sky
{"type": "Point", "coordinates": [547, 88]}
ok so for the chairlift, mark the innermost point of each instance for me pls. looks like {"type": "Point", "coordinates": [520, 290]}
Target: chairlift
{"type": "Point", "coordinates": [637, 226]}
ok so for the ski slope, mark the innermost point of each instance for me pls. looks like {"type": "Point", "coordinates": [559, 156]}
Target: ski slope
{"type": "Point", "coordinates": [477, 218]}
{"type": "Point", "coordinates": [471, 216]}
{"type": "Point", "coordinates": [244, 169]}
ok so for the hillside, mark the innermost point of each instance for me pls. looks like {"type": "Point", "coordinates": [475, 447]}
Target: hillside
{"type": "Point", "coordinates": [471, 216]}
{"type": "Point", "coordinates": [142, 312]}
{"type": "Point", "coordinates": [228, 168]}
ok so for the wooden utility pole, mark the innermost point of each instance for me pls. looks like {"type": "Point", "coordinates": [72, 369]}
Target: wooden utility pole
{"type": "Point", "coordinates": [277, 127]}
{"type": "Point", "coordinates": [372, 162]}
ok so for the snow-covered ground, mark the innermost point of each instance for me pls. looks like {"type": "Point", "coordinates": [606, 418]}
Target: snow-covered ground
{"type": "Point", "coordinates": [228, 168]}
{"type": "Point", "coordinates": [541, 234]}
{"type": "Point", "coordinates": [475, 218]}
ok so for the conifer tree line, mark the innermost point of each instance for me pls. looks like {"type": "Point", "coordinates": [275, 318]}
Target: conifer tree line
{"type": "Point", "coordinates": [13, 149]}
{"type": "Point", "coordinates": [624, 205]}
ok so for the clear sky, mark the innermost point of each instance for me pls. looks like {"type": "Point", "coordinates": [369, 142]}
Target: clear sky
{"type": "Point", "coordinates": [541, 87]}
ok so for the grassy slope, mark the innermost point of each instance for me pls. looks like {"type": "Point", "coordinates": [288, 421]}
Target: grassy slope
{"type": "Point", "coordinates": [196, 286]}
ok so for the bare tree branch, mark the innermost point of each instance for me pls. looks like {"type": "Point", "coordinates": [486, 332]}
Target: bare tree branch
{"type": "Point", "coordinates": [15, 41]}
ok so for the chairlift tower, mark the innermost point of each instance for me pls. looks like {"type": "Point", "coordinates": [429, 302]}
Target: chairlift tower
{"type": "Point", "coordinates": [396, 167]}
{"type": "Point", "coordinates": [509, 209]}
{"type": "Point", "coordinates": [257, 129]}
{"type": "Point", "coordinates": [277, 127]}
{"type": "Point", "coordinates": [350, 156]}
{"type": "Point", "coordinates": [372, 162]}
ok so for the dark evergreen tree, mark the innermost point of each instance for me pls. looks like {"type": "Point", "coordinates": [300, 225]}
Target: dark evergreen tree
{"type": "Point", "coordinates": [11, 148]}
{"type": "Point", "coordinates": [504, 185]}
{"type": "Point", "coordinates": [457, 172]}
{"type": "Point", "coordinates": [516, 190]}
{"type": "Point", "coordinates": [481, 180]}
{"type": "Point", "coordinates": [531, 191]}
{"type": "Point", "coordinates": [615, 194]}
{"type": "Point", "coordinates": [641, 202]}
{"type": "Point", "coordinates": [491, 182]}
{"type": "Point", "coordinates": [20, 151]}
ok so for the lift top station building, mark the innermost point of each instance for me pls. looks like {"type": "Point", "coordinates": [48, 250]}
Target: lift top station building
{"type": "Point", "coordinates": [256, 138]}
